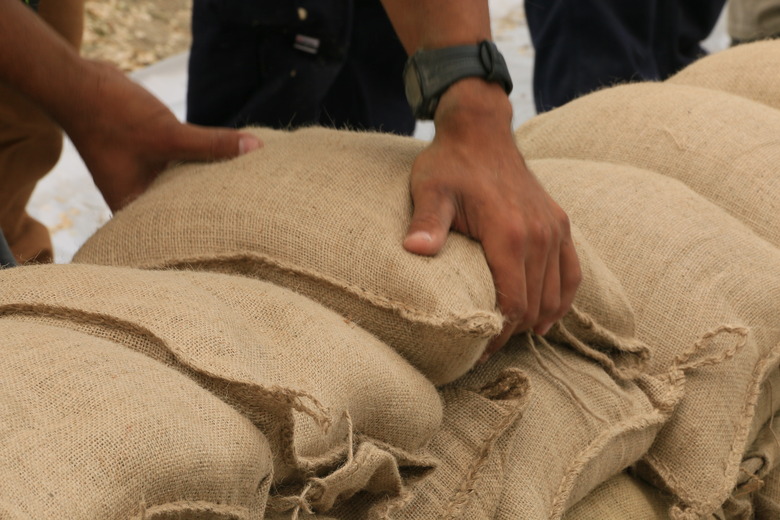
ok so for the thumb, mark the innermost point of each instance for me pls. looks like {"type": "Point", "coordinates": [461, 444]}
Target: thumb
{"type": "Point", "coordinates": [431, 221]}
{"type": "Point", "coordinates": [198, 143]}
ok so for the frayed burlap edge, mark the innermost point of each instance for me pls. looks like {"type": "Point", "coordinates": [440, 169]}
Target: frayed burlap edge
{"type": "Point", "coordinates": [690, 507]}
{"type": "Point", "coordinates": [584, 335]}
{"type": "Point", "coordinates": [275, 400]}
{"type": "Point", "coordinates": [479, 324]}
{"type": "Point", "coordinates": [510, 388]}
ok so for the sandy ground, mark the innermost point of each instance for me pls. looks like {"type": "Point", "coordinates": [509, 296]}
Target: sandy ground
{"type": "Point", "coordinates": [136, 33]}
{"type": "Point", "coordinates": [149, 40]}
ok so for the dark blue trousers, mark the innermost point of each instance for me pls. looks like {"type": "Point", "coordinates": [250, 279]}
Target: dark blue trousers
{"type": "Point", "coordinates": [583, 45]}
{"type": "Point", "coordinates": [281, 64]}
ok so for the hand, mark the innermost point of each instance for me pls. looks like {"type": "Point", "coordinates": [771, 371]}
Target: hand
{"type": "Point", "coordinates": [472, 178]}
{"type": "Point", "coordinates": [127, 137]}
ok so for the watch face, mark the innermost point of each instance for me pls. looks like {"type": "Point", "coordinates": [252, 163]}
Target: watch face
{"type": "Point", "coordinates": [412, 85]}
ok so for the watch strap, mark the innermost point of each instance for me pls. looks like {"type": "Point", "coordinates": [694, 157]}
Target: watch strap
{"type": "Point", "coordinates": [438, 69]}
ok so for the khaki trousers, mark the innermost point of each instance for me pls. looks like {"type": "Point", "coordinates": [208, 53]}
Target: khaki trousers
{"type": "Point", "coordinates": [750, 20]}
{"type": "Point", "coordinates": [30, 145]}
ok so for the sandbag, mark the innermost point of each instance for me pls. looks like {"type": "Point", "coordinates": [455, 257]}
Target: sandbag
{"type": "Point", "coordinates": [759, 460]}
{"type": "Point", "coordinates": [705, 291]}
{"type": "Point", "coordinates": [92, 430]}
{"type": "Point", "coordinates": [329, 224]}
{"type": "Point", "coordinates": [342, 411]}
{"type": "Point", "coordinates": [722, 146]}
{"type": "Point", "coordinates": [748, 71]}
{"type": "Point", "coordinates": [622, 497]}
{"type": "Point", "coordinates": [323, 212]}
{"type": "Point", "coordinates": [527, 435]}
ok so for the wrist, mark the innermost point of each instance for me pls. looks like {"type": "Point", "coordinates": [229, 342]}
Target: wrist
{"type": "Point", "coordinates": [473, 105]}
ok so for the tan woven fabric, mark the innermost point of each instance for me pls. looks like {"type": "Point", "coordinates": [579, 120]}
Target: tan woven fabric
{"type": "Point", "coordinates": [528, 434]}
{"type": "Point", "coordinates": [706, 294]}
{"type": "Point", "coordinates": [92, 430]}
{"type": "Point", "coordinates": [767, 501]}
{"type": "Point", "coordinates": [342, 411]}
{"type": "Point", "coordinates": [622, 497]}
{"type": "Point", "coordinates": [323, 212]}
{"type": "Point", "coordinates": [720, 145]}
{"type": "Point", "coordinates": [749, 71]}
{"type": "Point", "coordinates": [329, 224]}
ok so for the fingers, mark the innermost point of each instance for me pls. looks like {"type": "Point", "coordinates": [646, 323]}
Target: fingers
{"type": "Point", "coordinates": [197, 143]}
{"type": "Point", "coordinates": [536, 272]}
{"type": "Point", "coordinates": [431, 221]}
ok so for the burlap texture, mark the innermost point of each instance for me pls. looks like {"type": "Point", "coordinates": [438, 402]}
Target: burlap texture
{"type": "Point", "coordinates": [622, 497]}
{"type": "Point", "coordinates": [749, 71]}
{"type": "Point", "coordinates": [337, 406]}
{"type": "Point", "coordinates": [720, 145]}
{"type": "Point", "coordinates": [528, 434]}
{"type": "Point", "coordinates": [92, 430]}
{"type": "Point", "coordinates": [329, 224]}
{"type": "Point", "coordinates": [767, 501]}
{"type": "Point", "coordinates": [760, 459]}
{"type": "Point", "coordinates": [323, 212]}
{"type": "Point", "coordinates": [706, 296]}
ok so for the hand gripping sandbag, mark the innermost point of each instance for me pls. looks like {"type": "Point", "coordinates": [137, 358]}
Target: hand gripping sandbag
{"type": "Point", "coordinates": [91, 430]}
{"type": "Point", "coordinates": [749, 71]}
{"type": "Point", "coordinates": [342, 411]}
{"type": "Point", "coordinates": [722, 146]}
{"type": "Point", "coordinates": [705, 291]}
{"type": "Point", "coordinates": [323, 212]}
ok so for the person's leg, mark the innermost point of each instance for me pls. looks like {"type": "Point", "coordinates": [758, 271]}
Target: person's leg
{"type": "Point", "coordinates": [368, 93]}
{"type": "Point", "coordinates": [6, 256]}
{"type": "Point", "coordinates": [692, 21]}
{"type": "Point", "coordinates": [584, 45]}
{"type": "Point", "coordinates": [250, 64]}
{"type": "Point", "coordinates": [751, 20]}
{"type": "Point", "coordinates": [30, 145]}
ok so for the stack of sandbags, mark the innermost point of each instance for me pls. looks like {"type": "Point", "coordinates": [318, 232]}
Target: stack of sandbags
{"type": "Point", "coordinates": [341, 411]}
{"type": "Point", "coordinates": [90, 429]}
{"type": "Point", "coordinates": [675, 186]}
{"type": "Point", "coordinates": [328, 223]}
{"type": "Point", "coordinates": [276, 283]}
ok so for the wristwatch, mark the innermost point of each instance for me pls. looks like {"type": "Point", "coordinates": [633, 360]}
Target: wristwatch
{"type": "Point", "coordinates": [428, 74]}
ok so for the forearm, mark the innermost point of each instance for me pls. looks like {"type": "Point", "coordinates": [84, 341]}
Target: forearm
{"type": "Point", "coordinates": [430, 24]}
{"type": "Point", "coordinates": [66, 17]}
{"type": "Point", "coordinates": [38, 62]}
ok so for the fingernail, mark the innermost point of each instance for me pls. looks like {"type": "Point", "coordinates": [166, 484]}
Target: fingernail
{"type": "Point", "coordinates": [247, 143]}
{"type": "Point", "coordinates": [544, 329]}
{"type": "Point", "coordinates": [420, 235]}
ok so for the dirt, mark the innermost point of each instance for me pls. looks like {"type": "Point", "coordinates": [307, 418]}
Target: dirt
{"type": "Point", "coordinates": [136, 33]}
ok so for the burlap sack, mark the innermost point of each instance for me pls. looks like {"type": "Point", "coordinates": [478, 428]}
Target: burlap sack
{"type": "Point", "coordinates": [323, 212]}
{"type": "Point", "coordinates": [767, 501]}
{"type": "Point", "coordinates": [749, 71]}
{"type": "Point", "coordinates": [329, 224]}
{"type": "Point", "coordinates": [760, 460]}
{"type": "Point", "coordinates": [91, 430]}
{"type": "Point", "coordinates": [722, 146]}
{"type": "Point", "coordinates": [527, 435]}
{"type": "Point", "coordinates": [341, 410]}
{"type": "Point", "coordinates": [706, 294]}
{"type": "Point", "coordinates": [623, 497]}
